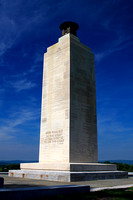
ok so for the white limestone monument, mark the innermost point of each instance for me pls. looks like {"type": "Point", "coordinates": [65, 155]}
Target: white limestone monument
{"type": "Point", "coordinates": [68, 136]}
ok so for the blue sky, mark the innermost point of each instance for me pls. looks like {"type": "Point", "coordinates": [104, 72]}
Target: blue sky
{"type": "Point", "coordinates": [27, 28]}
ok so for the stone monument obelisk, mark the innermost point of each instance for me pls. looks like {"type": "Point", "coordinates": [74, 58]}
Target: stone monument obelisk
{"type": "Point", "coordinates": [68, 135]}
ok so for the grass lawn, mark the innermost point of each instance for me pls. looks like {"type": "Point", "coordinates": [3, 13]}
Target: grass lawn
{"type": "Point", "coordinates": [115, 194]}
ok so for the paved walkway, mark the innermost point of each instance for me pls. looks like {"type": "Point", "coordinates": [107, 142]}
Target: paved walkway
{"type": "Point", "coordinates": [13, 182]}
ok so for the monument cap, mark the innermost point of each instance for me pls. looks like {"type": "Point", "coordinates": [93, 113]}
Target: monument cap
{"type": "Point", "coordinates": [69, 27]}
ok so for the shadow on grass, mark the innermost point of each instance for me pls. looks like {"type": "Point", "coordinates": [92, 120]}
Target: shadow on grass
{"type": "Point", "coordinates": [112, 194]}
{"type": "Point", "coordinates": [116, 194]}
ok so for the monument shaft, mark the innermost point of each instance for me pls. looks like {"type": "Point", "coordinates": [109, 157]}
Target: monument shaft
{"type": "Point", "coordinates": [83, 121]}
{"type": "Point", "coordinates": [54, 136]}
{"type": "Point", "coordinates": [68, 118]}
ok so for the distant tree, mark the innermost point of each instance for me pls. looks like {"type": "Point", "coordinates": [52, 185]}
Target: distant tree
{"type": "Point", "coordinates": [6, 168]}
{"type": "Point", "coordinates": [107, 162]}
{"type": "Point", "coordinates": [121, 166]}
{"type": "Point", "coordinates": [126, 167]}
{"type": "Point", "coordinates": [13, 166]}
{"type": "Point", "coordinates": [131, 168]}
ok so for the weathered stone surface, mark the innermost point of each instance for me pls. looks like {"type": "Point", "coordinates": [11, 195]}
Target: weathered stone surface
{"type": "Point", "coordinates": [55, 120]}
{"type": "Point", "coordinates": [68, 115]}
{"type": "Point", "coordinates": [69, 166]}
{"type": "Point", "coordinates": [66, 176]}
{"type": "Point", "coordinates": [83, 122]}
{"type": "Point", "coordinates": [68, 119]}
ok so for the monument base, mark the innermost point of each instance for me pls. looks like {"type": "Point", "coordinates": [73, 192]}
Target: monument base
{"type": "Point", "coordinates": [72, 167]}
{"type": "Point", "coordinates": [66, 176]}
{"type": "Point", "coordinates": [68, 172]}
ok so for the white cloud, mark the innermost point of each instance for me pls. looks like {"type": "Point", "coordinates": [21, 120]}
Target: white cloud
{"type": "Point", "coordinates": [119, 43]}
{"type": "Point", "coordinates": [20, 85]}
{"type": "Point", "coordinates": [8, 33]}
{"type": "Point", "coordinates": [9, 127]}
{"type": "Point", "coordinates": [18, 18]}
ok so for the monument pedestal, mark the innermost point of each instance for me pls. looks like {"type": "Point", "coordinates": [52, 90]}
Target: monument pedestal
{"type": "Point", "coordinates": [72, 167]}
{"type": "Point", "coordinates": [68, 172]}
{"type": "Point", "coordinates": [67, 176]}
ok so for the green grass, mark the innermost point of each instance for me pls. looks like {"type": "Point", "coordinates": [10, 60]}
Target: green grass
{"type": "Point", "coordinates": [1, 169]}
{"type": "Point", "coordinates": [116, 194]}
{"type": "Point", "coordinates": [130, 189]}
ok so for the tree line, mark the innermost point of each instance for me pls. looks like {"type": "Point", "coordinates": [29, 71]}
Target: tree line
{"type": "Point", "coordinates": [6, 168]}
{"type": "Point", "coordinates": [121, 166]}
